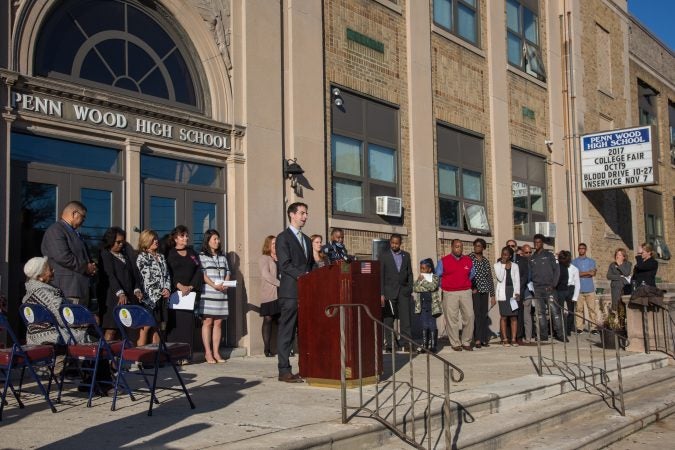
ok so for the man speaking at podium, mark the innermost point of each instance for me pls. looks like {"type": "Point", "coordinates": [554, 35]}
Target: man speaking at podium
{"type": "Point", "coordinates": [294, 256]}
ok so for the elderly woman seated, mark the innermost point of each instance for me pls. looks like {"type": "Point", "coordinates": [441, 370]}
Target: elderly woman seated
{"type": "Point", "coordinates": [38, 291]}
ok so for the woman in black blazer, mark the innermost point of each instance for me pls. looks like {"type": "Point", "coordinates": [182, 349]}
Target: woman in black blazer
{"type": "Point", "coordinates": [119, 282]}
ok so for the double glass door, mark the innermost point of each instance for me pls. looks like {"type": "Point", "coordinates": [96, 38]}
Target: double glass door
{"type": "Point", "coordinates": [167, 206]}
{"type": "Point", "coordinates": [42, 194]}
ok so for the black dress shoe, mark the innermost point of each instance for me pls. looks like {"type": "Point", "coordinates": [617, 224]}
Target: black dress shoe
{"type": "Point", "coordinates": [268, 353]}
{"type": "Point", "coordinates": [387, 349]}
{"type": "Point", "coordinates": [290, 378]}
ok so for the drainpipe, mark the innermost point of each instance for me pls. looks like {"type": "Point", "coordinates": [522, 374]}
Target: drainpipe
{"type": "Point", "coordinates": [575, 136]}
{"type": "Point", "coordinates": [282, 39]}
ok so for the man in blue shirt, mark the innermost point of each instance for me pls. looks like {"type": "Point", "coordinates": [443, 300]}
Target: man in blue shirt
{"type": "Point", "coordinates": [587, 299]}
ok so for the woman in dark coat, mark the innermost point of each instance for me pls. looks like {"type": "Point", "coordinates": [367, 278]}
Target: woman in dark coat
{"type": "Point", "coordinates": [119, 281]}
{"type": "Point", "coordinates": [186, 276]}
{"type": "Point", "coordinates": [618, 273]}
{"type": "Point", "coordinates": [646, 266]}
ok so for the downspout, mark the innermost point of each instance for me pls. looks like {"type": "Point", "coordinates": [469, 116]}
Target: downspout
{"type": "Point", "coordinates": [575, 136]}
{"type": "Point", "coordinates": [566, 120]}
{"type": "Point", "coordinates": [283, 108]}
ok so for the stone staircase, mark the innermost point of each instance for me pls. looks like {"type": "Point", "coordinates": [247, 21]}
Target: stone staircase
{"type": "Point", "coordinates": [530, 412]}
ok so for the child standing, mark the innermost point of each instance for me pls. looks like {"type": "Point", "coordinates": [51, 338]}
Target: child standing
{"type": "Point", "coordinates": [428, 303]}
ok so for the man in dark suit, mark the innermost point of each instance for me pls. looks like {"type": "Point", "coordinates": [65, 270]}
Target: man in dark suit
{"type": "Point", "coordinates": [396, 280]}
{"type": "Point", "coordinates": [294, 257]}
{"type": "Point", "coordinates": [68, 254]}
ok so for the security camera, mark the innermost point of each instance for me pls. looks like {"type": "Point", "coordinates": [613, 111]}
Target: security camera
{"type": "Point", "coordinates": [548, 143]}
{"type": "Point", "coordinates": [338, 102]}
{"type": "Point", "coordinates": [336, 92]}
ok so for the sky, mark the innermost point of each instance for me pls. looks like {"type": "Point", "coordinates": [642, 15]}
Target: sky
{"type": "Point", "coordinates": [658, 16]}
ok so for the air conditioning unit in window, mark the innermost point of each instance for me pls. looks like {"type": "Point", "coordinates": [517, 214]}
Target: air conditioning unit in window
{"type": "Point", "coordinates": [388, 206]}
{"type": "Point", "coordinates": [545, 228]}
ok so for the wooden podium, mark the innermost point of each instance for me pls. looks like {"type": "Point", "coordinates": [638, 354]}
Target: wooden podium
{"type": "Point", "coordinates": [319, 335]}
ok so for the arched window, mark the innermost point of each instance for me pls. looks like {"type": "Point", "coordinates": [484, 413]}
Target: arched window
{"type": "Point", "coordinates": [118, 44]}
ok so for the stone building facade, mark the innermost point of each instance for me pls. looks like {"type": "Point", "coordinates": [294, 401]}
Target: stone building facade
{"type": "Point", "coordinates": [468, 111]}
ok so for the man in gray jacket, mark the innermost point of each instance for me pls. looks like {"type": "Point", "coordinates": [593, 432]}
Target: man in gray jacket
{"type": "Point", "coordinates": [68, 254]}
{"type": "Point", "coordinates": [544, 273]}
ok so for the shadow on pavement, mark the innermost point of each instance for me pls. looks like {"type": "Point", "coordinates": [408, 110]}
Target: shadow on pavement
{"type": "Point", "coordinates": [124, 429]}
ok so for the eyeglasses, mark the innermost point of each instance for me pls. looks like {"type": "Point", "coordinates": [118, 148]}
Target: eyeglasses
{"type": "Point", "coordinates": [119, 242]}
{"type": "Point", "coordinates": [527, 253]}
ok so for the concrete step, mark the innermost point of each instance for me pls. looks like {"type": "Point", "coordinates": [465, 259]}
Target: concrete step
{"type": "Point", "coordinates": [477, 404]}
{"type": "Point", "coordinates": [646, 395]}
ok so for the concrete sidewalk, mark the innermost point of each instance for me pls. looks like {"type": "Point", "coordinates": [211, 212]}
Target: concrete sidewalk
{"type": "Point", "coordinates": [239, 404]}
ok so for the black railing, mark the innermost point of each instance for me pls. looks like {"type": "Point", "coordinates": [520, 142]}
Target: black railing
{"type": "Point", "coordinates": [391, 417]}
{"type": "Point", "coordinates": [599, 377]}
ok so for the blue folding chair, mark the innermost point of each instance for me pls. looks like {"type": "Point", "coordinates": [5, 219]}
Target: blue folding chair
{"type": "Point", "coordinates": [135, 316]}
{"type": "Point", "coordinates": [98, 352]}
{"type": "Point", "coordinates": [23, 356]}
{"type": "Point", "coordinates": [34, 314]}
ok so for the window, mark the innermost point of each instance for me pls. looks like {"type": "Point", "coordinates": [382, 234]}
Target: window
{"type": "Point", "coordinates": [647, 107]}
{"type": "Point", "coordinates": [183, 172]}
{"type": "Point", "coordinates": [522, 37]}
{"type": "Point", "coordinates": [671, 121]}
{"type": "Point", "coordinates": [117, 45]}
{"type": "Point", "coordinates": [654, 223]}
{"type": "Point", "coordinates": [459, 17]}
{"type": "Point", "coordinates": [364, 156]}
{"type": "Point", "coordinates": [30, 148]}
{"type": "Point", "coordinates": [461, 197]}
{"type": "Point", "coordinates": [603, 53]}
{"type": "Point", "coordinates": [529, 192]}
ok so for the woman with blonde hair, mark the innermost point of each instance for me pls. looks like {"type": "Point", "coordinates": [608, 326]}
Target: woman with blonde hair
{"type": "Point", "coordinates": [155, 280]}
{"type": "Point", "coordinates": [269, 303]}
{"type": "Point", "coordinates": [320, 258]}
{"type": "Point", "coordinates": [618, 275]}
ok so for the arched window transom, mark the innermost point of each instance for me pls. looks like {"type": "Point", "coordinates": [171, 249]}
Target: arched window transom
{"type": "Point", "coordinates": [115, 44]}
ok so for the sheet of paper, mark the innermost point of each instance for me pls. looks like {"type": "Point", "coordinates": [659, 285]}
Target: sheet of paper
{"type": "Point", "coordinates": [230, 283]}
{"type": "Point", "coordinates": [530, 286]}
{"type": "Point", "coordinates": [428, 277]}
{"type": "Point", "coordinates": [184, 302]}
{"type": "Point", "coordinates": [514, 304]}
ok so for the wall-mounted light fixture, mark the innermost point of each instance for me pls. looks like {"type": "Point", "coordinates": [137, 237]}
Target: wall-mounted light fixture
{"type": "Point", "coordinates": [337, 97]}
{"type": "Point", "coordinates": [292, 171]}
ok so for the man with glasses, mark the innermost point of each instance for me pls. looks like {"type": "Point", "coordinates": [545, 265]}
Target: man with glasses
{"type": "Point", "coordinates": [68, 254]}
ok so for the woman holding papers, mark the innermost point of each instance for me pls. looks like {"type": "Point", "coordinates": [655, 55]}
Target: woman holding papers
{"type": "Point", "coordinates": [213, 305]}
{"type": "Point", "coordinates": [508, 288]}
{"type": "Point", "coordinates": [186, 281]}
{"type": "Point", "coordinates": [155, 281]}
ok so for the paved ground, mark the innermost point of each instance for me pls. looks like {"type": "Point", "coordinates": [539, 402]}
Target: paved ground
{"type": "Point", "coordinates": [658, 436]}
{"type": "Point", "coordinates": [240, 404]}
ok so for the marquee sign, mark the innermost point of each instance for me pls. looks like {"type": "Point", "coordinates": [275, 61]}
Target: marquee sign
{"type": "Point", "coordinates": [106, 118]}
{"type": "Point", "coordinates": [618, 159]}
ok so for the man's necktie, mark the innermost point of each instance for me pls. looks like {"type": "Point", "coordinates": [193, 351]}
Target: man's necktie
{"type": "Point", "coordinates": [302, 242]}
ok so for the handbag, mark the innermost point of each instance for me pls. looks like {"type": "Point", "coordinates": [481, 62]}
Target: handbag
{"type": "Point", "coordinates": [627, 289]}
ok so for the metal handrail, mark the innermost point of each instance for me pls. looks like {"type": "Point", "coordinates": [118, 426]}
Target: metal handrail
{"type": "Point", "coordinates": [670, 327]}
{"type": "Point", "coordinates": [580, 374]}
{"type": "Point", "coordinates": [449, 373]}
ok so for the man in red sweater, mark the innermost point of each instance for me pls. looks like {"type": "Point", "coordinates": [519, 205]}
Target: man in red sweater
{"type": "Point", "coordinates": [456, 271]}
